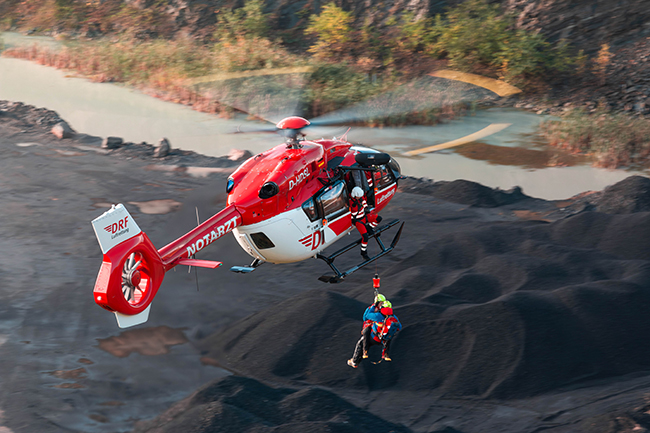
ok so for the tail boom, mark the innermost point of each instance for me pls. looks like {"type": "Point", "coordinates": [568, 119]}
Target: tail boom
{"type": "Point", "coordinates": [132, 269]}
{"type": "Point", "coordinates": [200, 237]}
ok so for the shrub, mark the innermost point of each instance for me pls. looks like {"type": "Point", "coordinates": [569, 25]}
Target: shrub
{"type": "Point", "coordinates": [332, 29]}
{"type": "Point", "coordinates": [249, 21]}
{"type": "Point", "coordinates": [475, 35]}
{"type": "Point", "coordinates": [471, 33]}
{"type": "Point", "coordinates": [613, 139]}
{"type": "Point", "coordinates": [251, 53]}
{"type": "Point", "coordinates": [601, 62]}
{"type": "Point", "coordinates": [333, 86]}
{"type": "Point", "coordinates": [415, 35]}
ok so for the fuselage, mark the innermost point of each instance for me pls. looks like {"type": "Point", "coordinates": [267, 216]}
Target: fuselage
{"type": "Point", "coordinates": [291, 204]}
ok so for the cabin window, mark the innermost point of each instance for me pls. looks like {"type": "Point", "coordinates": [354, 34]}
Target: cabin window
{"type": "Point", "coordinates": [262, 242]}
{"type": "Point", "coordinates": [386, 177]}
{"type": "Point", "coordinates": [334, 201]}
{"type": "Point", "coordinates": [309, 207]}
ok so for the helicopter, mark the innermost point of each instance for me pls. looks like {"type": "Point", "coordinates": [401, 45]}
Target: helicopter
{"type": "Point", "coordinates": [284, 205]}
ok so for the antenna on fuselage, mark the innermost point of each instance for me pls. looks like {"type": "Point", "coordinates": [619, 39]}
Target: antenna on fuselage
{"type": "Point", "coordinates": [196, 272]}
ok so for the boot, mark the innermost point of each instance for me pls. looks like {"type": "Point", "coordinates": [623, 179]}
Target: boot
{"type": "Point", "coordinates": [351, 363]}
{"type": "Point", "coordinates": [365, 355]}
{"type": "Point", "coordinates": [365, 255]}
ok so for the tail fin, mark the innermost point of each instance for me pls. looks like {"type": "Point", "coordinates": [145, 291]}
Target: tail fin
{"type": "Point", "coordinates": [131, 271]}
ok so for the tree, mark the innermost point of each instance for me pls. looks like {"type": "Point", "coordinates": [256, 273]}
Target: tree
{"type": "Point", "coordinates": [249, 22]}
{"type": "Point", "coordinates": [332, 29]}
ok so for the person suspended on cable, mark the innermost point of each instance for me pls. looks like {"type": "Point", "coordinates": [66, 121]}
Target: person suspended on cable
{"type": "Point", "coordinates": [383, 332]}
{"type": "Point", "coordinates": [379, 327]}
{"type": "Point", "coordinates": [364, 220]}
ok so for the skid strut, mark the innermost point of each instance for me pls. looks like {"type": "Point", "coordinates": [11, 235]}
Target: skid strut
{"type": "Point", "coordinates": [338, 275]}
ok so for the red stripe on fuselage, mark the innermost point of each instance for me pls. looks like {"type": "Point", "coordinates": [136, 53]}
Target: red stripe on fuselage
{"type": "Point", "coordinates": [341, 224]}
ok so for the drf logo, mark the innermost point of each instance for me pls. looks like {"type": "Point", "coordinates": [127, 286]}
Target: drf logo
{"type": "Point", "coordinates": [301, 176]}
{"type": "Point", "coordinates": [115, 227]}
{"type": "Point", "coordinates": [314, 240]}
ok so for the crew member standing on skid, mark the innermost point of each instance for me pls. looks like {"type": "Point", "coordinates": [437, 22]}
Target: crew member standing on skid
{"type": "Point", "coordinates": [362, 219]}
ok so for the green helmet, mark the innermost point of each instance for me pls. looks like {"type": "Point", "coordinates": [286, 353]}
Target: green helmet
{"type": "Point", "coordinates": [387, 304]}
{"type": "Point", "coordinates": [379, 298]}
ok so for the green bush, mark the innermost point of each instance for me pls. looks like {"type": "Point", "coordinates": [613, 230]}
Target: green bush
{"type": "Point", "coordinates": [249, 21]}
{"type": "Point", "coordinates": [613, 139]}
{"type": "Point", "coordinates": [414, 35]}
{"type": "Point", "coordinates": [332, 29]}
{"type": "Point", "coordinates": [333, 86]}
{"type": "Point", "coordinates": [476, 35]}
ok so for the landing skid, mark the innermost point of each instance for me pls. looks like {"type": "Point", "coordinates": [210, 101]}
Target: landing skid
{"type": "Point", "coordinates": [338, 275]}
{"type": "Point", "coordinates": [247, 269]}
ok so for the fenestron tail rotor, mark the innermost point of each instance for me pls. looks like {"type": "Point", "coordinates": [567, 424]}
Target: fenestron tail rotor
{"type": "Point", "coordinates": [132, 279]}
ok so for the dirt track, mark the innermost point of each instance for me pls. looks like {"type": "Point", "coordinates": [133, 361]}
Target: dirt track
{"type": "Point", "coordinates": [65, 366]}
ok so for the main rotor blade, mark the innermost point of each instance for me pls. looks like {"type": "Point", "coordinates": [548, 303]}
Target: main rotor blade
{"type": "Point", "coordinates": [270, 97]}
{"type": "Point", "coordinates": [426, 93]}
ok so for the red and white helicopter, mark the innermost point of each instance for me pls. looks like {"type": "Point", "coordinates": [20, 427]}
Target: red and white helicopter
{"type": "Point", "coordinates": [284, 205]}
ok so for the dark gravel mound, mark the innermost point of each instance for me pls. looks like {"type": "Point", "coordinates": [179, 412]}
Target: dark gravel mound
{"type": "Point", "coordinates": [505, 310]}
{"type": "Point", "coordinates": [623, 235]}
{"type": "Point", "coordinates": [306, 338]}
{"type": "Point", "coordinates": [238, 404]}
{"type": "Point", "coordinates": [627, 196]}
{"type": "Point", "coordinates": [463, 192]}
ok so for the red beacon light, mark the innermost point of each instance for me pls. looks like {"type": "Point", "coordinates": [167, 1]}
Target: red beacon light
{"type": "Point", "coordinates": [293, 122]}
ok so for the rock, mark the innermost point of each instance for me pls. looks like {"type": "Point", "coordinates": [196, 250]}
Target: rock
{"type": "Point", "coordinates": [62, 130]}
{"type": "Point", "coordinates": [162, 148]}
{"type": "Point", "coordinates": [239, 155]}
{"type": "Point", "coordinates": [112, 142]}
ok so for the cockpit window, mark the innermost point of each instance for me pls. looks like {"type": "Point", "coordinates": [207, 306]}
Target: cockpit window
{"type": "Point", "coordinates": [309, 207]}
{"type": "Point", "coordinates": [334, 201]}
{"type": "Point", "coordinates": [393, 165]}
{"type": "Point", "coordinates": [386, 177]}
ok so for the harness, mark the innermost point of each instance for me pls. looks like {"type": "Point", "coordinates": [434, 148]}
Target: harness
{"type": "Point", "coordinates": [360, 212]}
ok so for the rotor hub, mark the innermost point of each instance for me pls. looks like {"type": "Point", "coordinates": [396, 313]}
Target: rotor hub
{"type": "Point", "coordinates": [135, 278]}
{"type": "Point", "coordinates": [293, 122]}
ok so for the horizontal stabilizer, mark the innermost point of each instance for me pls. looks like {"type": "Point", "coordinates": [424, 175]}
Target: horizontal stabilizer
{"type": "Point", "coordinates": [200, 263]}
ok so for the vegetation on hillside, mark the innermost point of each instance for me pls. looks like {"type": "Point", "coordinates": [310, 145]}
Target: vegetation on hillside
{"type": "Point", "coordinates": [349, 60]}
{"type": "Point", "coordinates": [474, 36]}
{"type": "Point", "coordinates": [612, 139]}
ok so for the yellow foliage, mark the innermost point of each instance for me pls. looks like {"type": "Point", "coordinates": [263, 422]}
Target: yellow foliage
{"type": "Point", "coordinates": [332, 29]}
{"type": "Point", "coordinates": [601, 62]}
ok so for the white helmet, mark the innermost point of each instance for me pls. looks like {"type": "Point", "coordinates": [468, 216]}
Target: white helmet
{"type": "Point", "coordinates": [357, 192]}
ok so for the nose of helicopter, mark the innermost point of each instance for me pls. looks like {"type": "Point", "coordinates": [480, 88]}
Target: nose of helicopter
{"type": "Point", "coordinates": [394, 166]}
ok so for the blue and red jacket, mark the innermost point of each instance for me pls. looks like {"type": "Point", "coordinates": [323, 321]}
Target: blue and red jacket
{"type": "Point", "coordinates": [373, 313]}
{"type": "Point", "coordinates": [383, 322]}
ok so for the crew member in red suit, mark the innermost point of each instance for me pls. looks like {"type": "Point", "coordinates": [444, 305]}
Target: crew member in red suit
{"type": "Point", "coordinates": [362, 219]}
